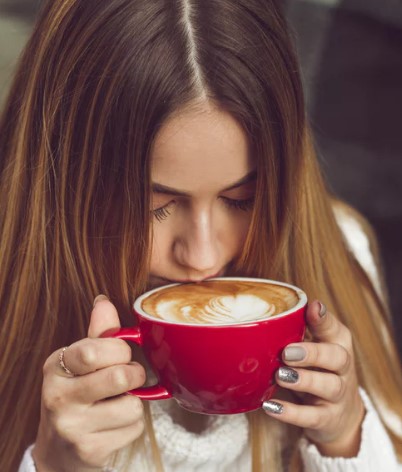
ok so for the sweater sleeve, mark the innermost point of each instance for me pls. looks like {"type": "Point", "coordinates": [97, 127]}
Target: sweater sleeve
{"type": "Point", "coordinates": [376, 450]}
{"type": "Point", "coordinates": [27, 463]}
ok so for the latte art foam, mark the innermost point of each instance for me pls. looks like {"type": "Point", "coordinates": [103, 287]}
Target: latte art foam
{"type": "Point", "coordinates": [220, 302]}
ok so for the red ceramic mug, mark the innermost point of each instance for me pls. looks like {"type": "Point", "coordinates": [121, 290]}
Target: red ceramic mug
{"type": "Point", "coordinates": [210, 368]}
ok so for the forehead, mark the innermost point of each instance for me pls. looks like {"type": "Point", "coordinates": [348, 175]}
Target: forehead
{"type": "Point", "coordinates": [199, 147]}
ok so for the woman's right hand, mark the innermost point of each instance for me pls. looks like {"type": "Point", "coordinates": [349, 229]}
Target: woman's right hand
{"type": "Point", "coordinates": [86, 418]}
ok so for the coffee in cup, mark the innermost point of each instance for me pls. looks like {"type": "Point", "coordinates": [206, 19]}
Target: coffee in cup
{"type": "Point", "coordinates": [218, 302]}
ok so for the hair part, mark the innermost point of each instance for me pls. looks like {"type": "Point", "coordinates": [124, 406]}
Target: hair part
{"type": "Point", "coordinates": [199, 82]}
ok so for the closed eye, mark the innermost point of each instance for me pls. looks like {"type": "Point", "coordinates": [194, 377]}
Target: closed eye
{"type": "Point", "coordinates": [163, 212]}
{"type": "Point", "coordinates": [243, 205]}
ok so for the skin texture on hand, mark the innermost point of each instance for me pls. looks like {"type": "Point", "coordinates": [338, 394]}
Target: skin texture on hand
{"type": "Point", "coordinates": [322, 374]}
{"type": "Point", "coordinates": [87, 417]}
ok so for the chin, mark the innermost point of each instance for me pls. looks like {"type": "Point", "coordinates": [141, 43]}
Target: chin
{"type": "Point", "coordinates": [155, 282]}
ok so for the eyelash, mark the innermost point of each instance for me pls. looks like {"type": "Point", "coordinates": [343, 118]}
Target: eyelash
{"type": "Point", "coordinates": [242, 205]}
{"type": "Point", "coordinates": [161, 213]}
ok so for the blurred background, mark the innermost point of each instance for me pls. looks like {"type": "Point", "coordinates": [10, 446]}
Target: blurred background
{"type": "Point", "coordinates": [351, 58]}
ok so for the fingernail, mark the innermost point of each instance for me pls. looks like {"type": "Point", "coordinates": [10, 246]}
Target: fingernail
{"type": "Point", "coordinates": [273, 407]}
{"type": "Point", "coordinates": [323, 309]}
{"type": "Point", "coordinates": [100, 298]}
{"type": "Point", "coordinates": [286, 374]}
{"type": "Point", "coordinates": [294, 353]}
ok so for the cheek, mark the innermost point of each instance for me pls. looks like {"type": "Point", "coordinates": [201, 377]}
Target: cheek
{"type": "Point", "coordinates": [160, 244]}
{"type": "Point", "coordinates": [233, 232]}
{"type": "Point", "coordinates": [241, 225]}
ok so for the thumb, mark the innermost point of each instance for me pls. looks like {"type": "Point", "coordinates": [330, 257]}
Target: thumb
{"type": "Point", "coordinates": [323, 325]}
{"type": "Point", "coordinates": [104, 316]}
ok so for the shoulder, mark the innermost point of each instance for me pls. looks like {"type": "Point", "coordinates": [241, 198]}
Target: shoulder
{"type": "Point", "coordinates": [361, 241]}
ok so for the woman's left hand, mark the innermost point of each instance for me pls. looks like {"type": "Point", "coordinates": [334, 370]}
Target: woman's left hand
{"type": "Point", "coordinates": [322, 373]}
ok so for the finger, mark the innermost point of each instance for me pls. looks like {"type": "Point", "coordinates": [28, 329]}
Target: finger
{"type": "Point", "coordinates": [104, 316]}
{"type": "Point", "coordinates": [95, 449]}
{"type": "Point", "coordinates": [115, 413]}
{"type": "Point", "coordinates": [116, 439]}
{"type": "Point", "coordinates": [63, 365]}
{"type": "Point", "coordinates": [304, 416]}
{"type": "Point", "coordinates": [88, 355]}
{"type": "Point", "coordinates": [106, 383]}
{"type": "Point", "coordinates": [329, 387]}
{"type": "Point", "coordinates": [331, 357]}
{"type": "Point", "coordinates": [324, 326]}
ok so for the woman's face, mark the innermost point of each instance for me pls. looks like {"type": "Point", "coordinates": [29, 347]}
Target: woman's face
{"type": "Point", "coordinates": [203, 185]}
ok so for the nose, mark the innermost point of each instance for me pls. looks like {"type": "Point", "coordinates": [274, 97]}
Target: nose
{"type": "Point", "coordinates": [196, 247]}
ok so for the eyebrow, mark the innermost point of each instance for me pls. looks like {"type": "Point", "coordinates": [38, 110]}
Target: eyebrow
{"type": "Point", "coordinates": [159, 188]}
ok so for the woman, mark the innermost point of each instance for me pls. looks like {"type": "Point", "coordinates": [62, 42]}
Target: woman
{"type": "Point", "coordinates": [150, 141]}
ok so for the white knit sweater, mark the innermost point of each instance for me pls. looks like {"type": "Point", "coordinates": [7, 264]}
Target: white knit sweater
{"type": "Point", "coordinates": [223, 446]}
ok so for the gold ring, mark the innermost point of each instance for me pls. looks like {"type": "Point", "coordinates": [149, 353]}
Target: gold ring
{"type": "Point", "coordinates": [62, 363]}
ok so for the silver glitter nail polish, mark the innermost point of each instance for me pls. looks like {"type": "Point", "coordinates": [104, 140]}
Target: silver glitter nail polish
{"type": "Point", "coordinates": [273, 407]}
{"type": "Point", "coordinates": [286, 374]}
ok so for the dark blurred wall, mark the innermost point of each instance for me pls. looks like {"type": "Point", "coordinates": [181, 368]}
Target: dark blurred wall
{"type": "Point", "coordinates": [26, 8]}
{"type": "Point", "coordinates": [14, 31]}
{"type": "Point", "coordinates": [351, 57]}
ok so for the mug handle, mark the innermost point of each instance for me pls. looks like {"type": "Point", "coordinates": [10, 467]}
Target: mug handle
{"type": "Point", "coordinates": [154, 392]}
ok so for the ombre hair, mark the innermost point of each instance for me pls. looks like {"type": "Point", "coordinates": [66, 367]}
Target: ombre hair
{"type": "Point", "coordinates": [95, 83]}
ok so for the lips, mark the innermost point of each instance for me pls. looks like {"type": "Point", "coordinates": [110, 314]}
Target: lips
{"type": "Point", "coordinates": [158, 281]}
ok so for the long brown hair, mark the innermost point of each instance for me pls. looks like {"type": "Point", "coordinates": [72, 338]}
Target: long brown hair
{"type": "Point", "coordinates": [95, 83]}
